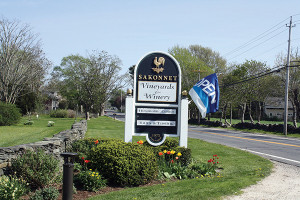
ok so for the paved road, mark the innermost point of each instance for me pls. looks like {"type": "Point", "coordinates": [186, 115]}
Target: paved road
{"type": "Point", "coordinates": [116, 115]}
{"type": "Point", "coordinates": [282, 149]}
{"type": "Point", "coordinates": [278, 148]}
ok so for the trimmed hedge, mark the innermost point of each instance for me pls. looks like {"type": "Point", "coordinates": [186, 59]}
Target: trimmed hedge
{"type": "Point", "coordinates": [9, 114]}
{"type": "Point", "coordinates": [59, 113]}
{"type": "Point", "coordinates": [267, 127]}
{"type": "Point", "coordinates": [124, 164]}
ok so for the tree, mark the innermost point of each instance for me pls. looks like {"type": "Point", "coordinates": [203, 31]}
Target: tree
{"type": "Point", "coordinates": [246, 88]}
{"type": "Point", "coordinates": [190, 66]}
{"type": "Point", "coordinates": [22, 61]}
{"type": "Point", "coordinates": [27, 101]}
{"type": "Point", "coordinates": [192, 69]}
{"type": "Point", "coordinates": [106, 68]}
{"type": "Point", "coordinates": [90, 80]}
{"type": "Point", "coordinates": [211, 58]}
{"type": "Point", "coordinates": [294, 81]}
{"type": "Point", "coordinates": [117, 99]}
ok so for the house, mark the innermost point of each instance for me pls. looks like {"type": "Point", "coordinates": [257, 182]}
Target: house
{"type": "Point", "coordinates": [52, 101]}
{"type": "Point", "coordinates": [274, 107]}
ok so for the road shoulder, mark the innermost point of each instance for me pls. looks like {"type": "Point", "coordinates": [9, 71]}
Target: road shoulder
{"type": "Point", "coordinates": [283, 183]}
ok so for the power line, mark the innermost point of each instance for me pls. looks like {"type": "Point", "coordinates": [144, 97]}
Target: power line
{"type": "Point", "coordinates": [257, 45]}
{"type": "Point", "coordinates": [270, 49]}
{"type": "Point", "coordinates": [259, 75]}
{"type": "Point", "coordinates": [256, 38]}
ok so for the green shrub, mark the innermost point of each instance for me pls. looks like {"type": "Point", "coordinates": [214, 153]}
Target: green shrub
{"type": "Point", "coordinates": [9, 114]}
{"type": "Point", "coordinates": [83, 147]}
{"type": "Point", "coordinates": [124, 164]}
{"type": "Point", "coordinates": [170, 143]}
{"type": "Point", "coordinates": [49, 193]}
{"type": "Point", "coordinates": [59, 113]}
{"type": "Point", "coordinates": [89, 180]}
{"type": "Point", "coordinates": [12, 188]}
{"type": "Point", "coordinates": [28, 122]}
{"type": "Point", "coordinates": [71, 113]}
{"type": "Point", "coordinates": [63, 104]}
{"type": "Point", "coordinates": [36, 168]}
{"type": "Point", "coordinates": [186, 156]}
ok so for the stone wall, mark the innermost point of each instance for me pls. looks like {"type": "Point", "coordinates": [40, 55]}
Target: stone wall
{"type": "Point", "coordinates": [55, 145]}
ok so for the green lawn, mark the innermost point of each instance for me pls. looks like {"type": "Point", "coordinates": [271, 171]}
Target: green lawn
{"type": "Point", "coordinates": [241, 169]}
{"type": "Point", "coordinates": [23, 134]}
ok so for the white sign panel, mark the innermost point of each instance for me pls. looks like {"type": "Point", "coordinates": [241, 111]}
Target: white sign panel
{"type": "Point", "coordinates": [157, 91]}
{"type": "Point", "coordinates": [156, 111]}
{"type": "Point", "coordinates": [155, 123]}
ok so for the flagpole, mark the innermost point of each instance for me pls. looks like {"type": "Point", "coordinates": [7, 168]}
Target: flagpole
{"type": "Point", "coordinates": [199, 78]}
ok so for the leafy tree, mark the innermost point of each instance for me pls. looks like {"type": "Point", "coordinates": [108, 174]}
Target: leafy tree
{"type": "Point", "coordinates": [194, 66]}
{"type": "Point", "coordinates": [27, 101]}
{"type": "Point", "coordinates": [89, 81]}
{"type": "Point", "coordinates": [294, 81]}
{"type": "Point", "coordinates": [190, 66]}
{"type": "Point", "coordinates": [247, 89]}
{"type": "Point", "coordinates": [211, 58]}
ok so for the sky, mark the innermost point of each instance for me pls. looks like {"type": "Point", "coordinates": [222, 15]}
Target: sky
{"type": "Point", "coordinates": [236, 29]}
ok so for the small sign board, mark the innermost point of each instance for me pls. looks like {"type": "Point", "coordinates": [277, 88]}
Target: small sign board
{"type": "Point", "coordinates": [157, 86]}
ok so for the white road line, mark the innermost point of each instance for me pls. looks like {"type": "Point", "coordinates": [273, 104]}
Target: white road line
{"type": "Point", "coordinates": [295, 161]}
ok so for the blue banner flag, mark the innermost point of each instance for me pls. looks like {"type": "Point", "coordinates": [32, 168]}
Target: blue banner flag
{"type": "Point", "coordinates": [205, 94]}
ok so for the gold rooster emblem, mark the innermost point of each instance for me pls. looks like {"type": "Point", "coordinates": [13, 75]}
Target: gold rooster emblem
{"type": "Point", "coordinates": [157, 63]}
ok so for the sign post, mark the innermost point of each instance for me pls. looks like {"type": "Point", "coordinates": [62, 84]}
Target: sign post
{"type": "Point", "coordinates": [155, 109]}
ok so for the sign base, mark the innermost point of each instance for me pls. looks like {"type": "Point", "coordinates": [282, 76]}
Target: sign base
{"type": "Point", "coordinates": [156, 139]}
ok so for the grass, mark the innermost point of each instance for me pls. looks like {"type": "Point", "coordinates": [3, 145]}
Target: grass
{"type": "Point", "coordinates": [23, 134]}
{"type": "Point", "coordinates": [241, 169]}
{"type": "Point", "coordinates": [105, 127]}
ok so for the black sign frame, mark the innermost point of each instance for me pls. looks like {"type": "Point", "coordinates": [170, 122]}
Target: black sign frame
{"type": "Point", "coordinates": [157, 86]}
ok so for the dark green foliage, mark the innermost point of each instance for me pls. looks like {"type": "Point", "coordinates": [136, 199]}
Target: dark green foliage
{"type": "Point", "coordinates": [59, 113]}
{"type": "Point", "coordinates": [124, 164]}
{"type": "Point", "coordinates": [63, 104]}
{"type": "Point", "coordinates": [36, 168]}
{"type": "Point", "coordinates": [9, 114]}
{"type": "Point", "coordinates": [267, 127]}
{"type": "Point", "coordinates": [89, 180]}
{"type": "Point", "coordinates": [186, 156]}
{"type": "Point", "coordinates": [49, 193]}
{"type": "Point", "coordinates": [27, 101]}
{"type": "Point", "coordinates": [170, 143]}
{"type": "Point", "coordinates": [83, 147]}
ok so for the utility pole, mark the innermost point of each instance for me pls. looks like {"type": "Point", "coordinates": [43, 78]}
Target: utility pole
{"type": "Point", "coordinates": [121, 101]}
{"type": "Point", "coordinates": [286, 99]}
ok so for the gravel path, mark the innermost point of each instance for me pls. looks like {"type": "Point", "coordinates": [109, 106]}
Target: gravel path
{"type": "Point", "coordinates": [282, 184]}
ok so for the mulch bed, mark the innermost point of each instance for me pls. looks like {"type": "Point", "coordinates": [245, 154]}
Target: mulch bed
{"type": "Point", "coordinates": [80, 195]}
